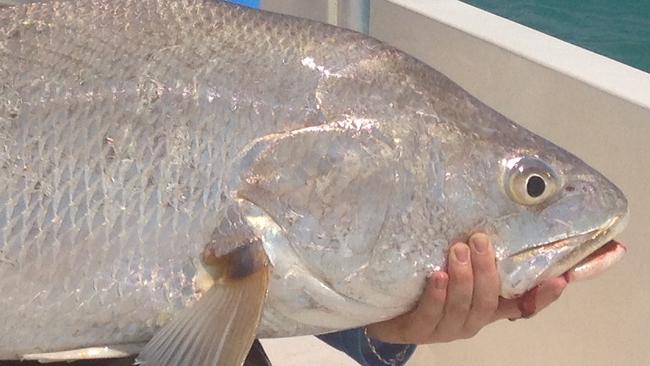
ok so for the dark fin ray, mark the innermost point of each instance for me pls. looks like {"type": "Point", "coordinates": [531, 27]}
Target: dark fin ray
{"type": "Point", "coordinates": [257, 356]}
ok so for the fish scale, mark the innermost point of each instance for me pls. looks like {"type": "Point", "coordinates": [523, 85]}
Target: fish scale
{"type": "Point", "coordinates": [156, 154]}
{"type": "Point", "coordinates": [136, 204]}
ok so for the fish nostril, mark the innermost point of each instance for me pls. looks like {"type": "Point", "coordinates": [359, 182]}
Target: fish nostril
{"type": "Point", "coordinates": [570, 188]}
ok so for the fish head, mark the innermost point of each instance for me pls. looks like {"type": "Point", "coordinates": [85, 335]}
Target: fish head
{"type": "Point", "coordinates": [557, 212]}
{"type": "Point", "coordinates": [546, 210]}
{"type": "Point", "coordinates": [463, 168]}
{"type": "Point", "coordinates": [406, 163]}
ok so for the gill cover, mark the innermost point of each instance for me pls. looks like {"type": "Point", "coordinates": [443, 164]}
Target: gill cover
{"type": "Point", "coordinates": [325, 186]}
{"type": "Point", "coordinates": [327, 190]}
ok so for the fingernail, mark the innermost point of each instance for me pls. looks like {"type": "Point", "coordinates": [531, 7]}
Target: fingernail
{"type": "Point", "coordinates": [462, 253]}
{"type": "Point", "coordinates": [480, 243]}
{"type": "Point", "coordinates": [440, 281]}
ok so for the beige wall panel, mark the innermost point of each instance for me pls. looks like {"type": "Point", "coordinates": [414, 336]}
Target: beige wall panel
{"type": "Point", "coordinates": [601, 118]}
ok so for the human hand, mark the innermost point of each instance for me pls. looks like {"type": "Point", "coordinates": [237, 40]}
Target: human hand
{"type": "Point", "coordinates": [459, 303]}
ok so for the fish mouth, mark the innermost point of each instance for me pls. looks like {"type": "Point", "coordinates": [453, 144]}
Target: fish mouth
{"type": "Point", "coordinates": [578, 257]}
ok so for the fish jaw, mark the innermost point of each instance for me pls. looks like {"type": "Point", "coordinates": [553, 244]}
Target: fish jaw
{"type": "Point", "coordinates": [577, 257]}
{"type": "Point", "coordinates": [597, 262]}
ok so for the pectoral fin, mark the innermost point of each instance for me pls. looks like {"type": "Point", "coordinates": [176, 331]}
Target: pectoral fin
{"type": "Point", "coordinates": [220, 328]}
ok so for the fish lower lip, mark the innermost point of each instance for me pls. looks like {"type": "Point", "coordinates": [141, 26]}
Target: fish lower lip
{"type": "Point", "coordinates": [576, 257]}
{"type": "Point", "coordinates": [596, 246]}
{"type": "Point", "coordinates": [596, 262]}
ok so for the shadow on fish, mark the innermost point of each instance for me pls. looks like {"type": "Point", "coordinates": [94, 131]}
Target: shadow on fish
{"type": "Point", "coordinates": [178, 178]}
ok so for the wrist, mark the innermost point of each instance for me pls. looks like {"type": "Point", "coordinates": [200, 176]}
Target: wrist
{"type": "Point", "coordinates": [390, 354]}
{"type": "Point", "coordinates": [391, 331]}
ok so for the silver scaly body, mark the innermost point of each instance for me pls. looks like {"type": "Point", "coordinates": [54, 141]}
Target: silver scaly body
{"type": "Point", "coordinates": [120, 125]}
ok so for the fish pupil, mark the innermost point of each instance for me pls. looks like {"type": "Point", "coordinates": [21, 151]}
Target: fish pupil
{"type": "Point", "coordinates": [535, 186]}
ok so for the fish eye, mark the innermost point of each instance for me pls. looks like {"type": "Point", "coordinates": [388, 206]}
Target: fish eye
{"type": "Point", "coordinates": [530, 181]}
{"type": "Point", "coordinates": [535, 186]}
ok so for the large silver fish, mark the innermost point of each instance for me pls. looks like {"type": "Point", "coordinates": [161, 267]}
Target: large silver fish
{"type": "Point", "coordinates": [166, 164]}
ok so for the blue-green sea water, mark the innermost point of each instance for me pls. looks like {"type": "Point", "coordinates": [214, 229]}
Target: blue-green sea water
{"type": "Point", "coordinates": [618, 29]}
